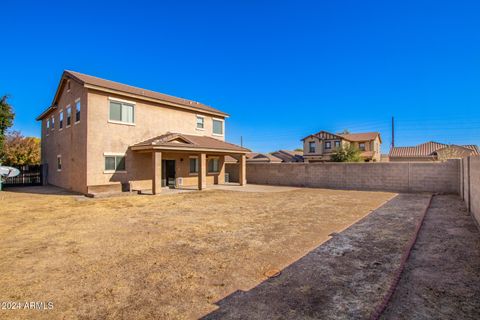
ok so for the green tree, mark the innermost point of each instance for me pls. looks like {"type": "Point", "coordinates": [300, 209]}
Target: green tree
{"type": "Point", "coordinates": [298, 149]}
{"type": "Point", "coordinates": [346, 154]}
{"type": "Point", "coordinates": [20, 150]}
{"type": "Point", "coordinates": [6, 121]}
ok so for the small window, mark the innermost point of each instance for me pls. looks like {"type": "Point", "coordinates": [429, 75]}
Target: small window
{"type": "Point", "coordinates": [217, 127]}
{"type": "Point", "coordinates": [311, 147]}
{"type": "Point", "coordinates": [200, 122]}
{"type": "Point", "coordinates": [194, 165]}
{"type": "Point", "coordinates": [60, 120]}
{"type": "Point", "coordinates": [59, 163]}
{"type": "Point", "coordinates": [121, 112]}
{"type": "Point", "coordinates": [328, 145]}
{"type": "Point", "coordinates": [361, 146]}
{"type": "Point", "coordinates": [337, 144]}
{"type": "Point", "coordinates": [115, 163]}
{"type": "Point", "coordinates": [53, 123]}
{"type": "Point", "coordinates": [213, 165]}
{"type": "Point", "coordinates": [48, 125]}
{"type": "Point", "coordinates": [69, 116]}
{"type": "Point", "coordinates": [77, 111]}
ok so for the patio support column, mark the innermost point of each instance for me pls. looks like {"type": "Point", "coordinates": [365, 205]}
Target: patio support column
{"type": "Point", "coordinates": [157, 172]}
{"type": "Point", "coordinates": [202, 171]}
{"type": "Point", "coordinates": [242, 167]}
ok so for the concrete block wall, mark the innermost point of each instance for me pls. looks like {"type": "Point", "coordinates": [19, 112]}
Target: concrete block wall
{"type": "Point", "coordinates": [443, 177]}
{"type": "Point", "coordinates": [470, 191]}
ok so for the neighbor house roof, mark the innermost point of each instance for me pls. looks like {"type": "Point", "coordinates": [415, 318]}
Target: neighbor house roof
{"type": "Point", "coordinates": [262, 157]}
{"type": "Point", "coordinates": [352, 137]}
{"type": "Point", "coordinates": [180, 141]}
{"type": "Point", "coordinates": [289, 156]}
{"type": "Point", "coordinates": [426, 149]}
{"type": "Point", "coordinates": [116, 87]}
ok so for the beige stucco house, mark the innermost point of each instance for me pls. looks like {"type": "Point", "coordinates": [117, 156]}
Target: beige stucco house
{"type": "Point", "coordinates": [99, 135]}
{"type": "Point", "coordinates": [432, 151]}
{"type": "Point", "coordinates": [320, 146]}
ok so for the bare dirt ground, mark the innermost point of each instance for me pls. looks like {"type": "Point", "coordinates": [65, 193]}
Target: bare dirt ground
{"type": "Point", "coordinates": [170, 256]}
{"type": "Point", "coordinates": [442, 277]}
{"type": "Point", "coordinates": [345, 278]}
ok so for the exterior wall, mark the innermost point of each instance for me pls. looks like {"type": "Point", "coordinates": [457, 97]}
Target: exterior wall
{"type": "Point", "coordinates": [471, 185]}
{"type": "Point", "coordinates": [232, 169]}
{"type": "Point", "coordinates": [150, 120]}
{"type": "Point", "coordinates": [69, 142]}
{"type": "Point", "coordinates": [398, 177]}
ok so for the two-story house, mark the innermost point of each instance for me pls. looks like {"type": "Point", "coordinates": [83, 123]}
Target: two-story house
{"type": "Point", "coordinates": [99, 135]}
{"type": "Point", "coordinates": [320, 146]}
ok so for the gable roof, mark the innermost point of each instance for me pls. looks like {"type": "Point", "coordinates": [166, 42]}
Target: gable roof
{"type": "Point", "coordinates": [427, 149]}
{"type": "Point", "coordinates": [352, 137]}
{"type": "Point", "coordinates": [180, 141]}
{"type": "Point", "coordinates": [116, 87]}
{"type": "Point", "coordinates": [262, 157]}
{"type": "Point", "coordinates": [288, 155]}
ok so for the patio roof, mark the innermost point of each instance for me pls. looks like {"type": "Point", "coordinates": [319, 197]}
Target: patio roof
{"type": "Point", "coordinates": [185, 142]}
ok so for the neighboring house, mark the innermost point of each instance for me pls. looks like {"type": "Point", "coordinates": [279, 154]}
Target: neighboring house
{"type": "Point", "coordinates": [289, 156]}
{"type": "Point", "coordinates": [320, 146]}
{"type": "Point", "coordinates": [99, 135]}
{"type": "Point", "coordinates": [432, 151]}
{"type": "Point", "coordinates": [262, 157]}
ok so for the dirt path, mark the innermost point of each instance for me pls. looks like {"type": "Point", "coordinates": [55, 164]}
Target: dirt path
{"type": "Point", "coordinates": [442, 277]}
{"type": "Point", "coordinates": [345, 278]}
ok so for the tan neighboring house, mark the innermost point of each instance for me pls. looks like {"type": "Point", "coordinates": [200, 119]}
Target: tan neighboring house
{"type": "Point", "coordinates": [432, 151]}
{"type": "Point", "coordinates": [99, 135]}
{"type": "Point", "coordinates": [320, 146]}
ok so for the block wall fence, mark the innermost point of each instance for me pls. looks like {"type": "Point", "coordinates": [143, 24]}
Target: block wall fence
{"type": "Point", "coordinates": [456, 176]}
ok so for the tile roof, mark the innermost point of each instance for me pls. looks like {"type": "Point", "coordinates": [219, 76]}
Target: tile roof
{"type": "Point", "coordinates": [100, 84]}
{"type": "Point", "coordinates": [426, 149]}
{"type": "Point", "coordinates": [357, 137]}
{"type": "Point", "coordinates": [289, 156]}
{"type": "Point", "coordinates": [182, 141]}
{"type": "Point", "coordinates": [262, 157]}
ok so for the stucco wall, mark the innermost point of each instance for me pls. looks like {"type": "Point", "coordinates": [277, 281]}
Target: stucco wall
{"type": "Point", "coordinates": [471, 185]}
{"type": "Point", "coordinates": [151, 120]}
{"type": "Point", "coordinates": [69, 142]}
{"type": "Point", "coordinates": [399, 177]}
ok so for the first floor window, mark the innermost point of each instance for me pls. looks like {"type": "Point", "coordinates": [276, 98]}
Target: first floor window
{"type": "Point", "coordinates": [60, 120]}
{"type": "Point", "coordinates": [200, 122]}
{"type": "Point", "coordinates": [218, 127]}
{"type": "Point", "coordinates": [361, 146]}
{"type": "Point", "coordinates": [69, 116]}
{"type": "Point", "coordinates": [121, 112]}
{"type": "Point", "coordinates": [194, 165]}
{"type": "Point", "coordinates": [213, 165]}
{"type": "Point", "coordinates": [77, 111]}
{"type": "Point", "coordinates": [115, 163]}
{"type": "Point", "coordinates": [328, 145]}
{"type": "Point", "coordinates": [311, 147]}
{"type": "Point", "coordinates": [59, 163]}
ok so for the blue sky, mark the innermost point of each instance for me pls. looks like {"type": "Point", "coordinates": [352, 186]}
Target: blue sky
{"type": "Point", "coordinates": [281, 69]}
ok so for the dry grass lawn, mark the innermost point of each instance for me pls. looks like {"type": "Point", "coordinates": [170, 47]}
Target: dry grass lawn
{"type": "Point", "coordinates": [170, 256]}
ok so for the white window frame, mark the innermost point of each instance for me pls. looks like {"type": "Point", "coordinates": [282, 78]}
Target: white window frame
{"type": "Point", "coordinates": [47, 126]}
{"type": "Point", "coordinates": [52, 122]}
{"type": "Point", "coordinates": [223, 127]}
{"type": "Point", "coordinates": [77, 101]}
{"type": "Point", "coordinates": [61, 120]}
{"type": "Point", "coordinates": [59, 157]}
{"type": "Point", "coordinates": [218, 164]}
{"type": "Point", "coordinates": [68, 107]}
{"type": "Point", "coordinates": [198, 166]}
{"type": "Point", "coordinates": [196, 118]}
{"type": "Point", "coordinates": [114, 154]}
{"type": "Point", "coordinates": [110, 99]}
{"type": "Point", "coordinates": [314, 146]}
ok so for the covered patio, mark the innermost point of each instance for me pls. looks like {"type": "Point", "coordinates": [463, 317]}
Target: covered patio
{"type": "Point", "coordinates": [186, 161]}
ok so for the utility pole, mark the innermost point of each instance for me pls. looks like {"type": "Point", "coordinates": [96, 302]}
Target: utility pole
{"type": "Point", "coordinates": [393, 132]}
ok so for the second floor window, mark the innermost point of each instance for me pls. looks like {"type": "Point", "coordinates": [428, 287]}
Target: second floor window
{"type": "Point", "coordinates": [53, 122]}
{"type": "Point", "coordinates": [69, 116]}
{"type": "Point", "coordinates": [328, 145]}
{"type": "Point", "coordinates": [122, 112]}
{"type": "Point", "coordinates": [77, 111]}
{"type": "Point", "coordinates": [311, 147]}
{"type": "Point", "coordinates": [361, 146]}
{"type": "Point", "coordinates": [48, 124]}
{"type": "Point", "coordinates": [60, 120]}
{"type": "Point", "coordinates": [200, 122]}
{"type": "Point", "coordinates": [217, 127]}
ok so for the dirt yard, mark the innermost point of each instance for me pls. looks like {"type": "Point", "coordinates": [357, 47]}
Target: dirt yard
{"type": "Point", "coordinates": [168, 256]}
